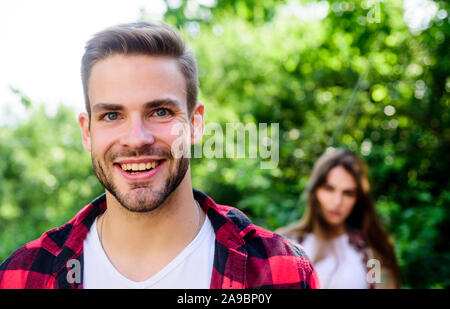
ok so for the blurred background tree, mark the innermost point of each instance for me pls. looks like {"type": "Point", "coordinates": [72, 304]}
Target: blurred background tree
{"type": "Point", "coordinates": [332, 73]}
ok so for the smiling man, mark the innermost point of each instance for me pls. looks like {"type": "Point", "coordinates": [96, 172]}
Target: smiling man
{"type": "Point", "coordinates": [150, 229]}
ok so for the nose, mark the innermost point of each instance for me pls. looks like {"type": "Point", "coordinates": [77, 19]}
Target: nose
{"type": "Point", "coordinates": [137, 134]}
{"type": "Point", "coordinates": [338, 197]}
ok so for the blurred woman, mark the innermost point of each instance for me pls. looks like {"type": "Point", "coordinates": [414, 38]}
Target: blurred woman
{"type": "Point", "coordinates": [340, 230]}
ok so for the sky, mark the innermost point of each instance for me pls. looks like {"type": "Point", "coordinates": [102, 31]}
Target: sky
{"type": "Point", "coordinates": [42, 42]}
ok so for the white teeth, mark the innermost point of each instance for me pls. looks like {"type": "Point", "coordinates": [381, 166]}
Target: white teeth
{"type": "Point", "coordinates": [138, 166]}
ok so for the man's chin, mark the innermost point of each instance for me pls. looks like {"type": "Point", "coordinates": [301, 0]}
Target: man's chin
{"type": "Point", "coordinates": [140, 199]}
{"type": "Point", "coordinates": [143, 196]}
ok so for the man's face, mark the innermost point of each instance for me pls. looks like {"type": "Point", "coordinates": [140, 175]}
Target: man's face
{"type": "Point", "coordinates": [136, 101]}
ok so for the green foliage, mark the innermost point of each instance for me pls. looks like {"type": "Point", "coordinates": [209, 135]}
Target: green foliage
{"type": "Point", "coordinates": [341, 81]}
{"type": "Point", "coordinates": [45, 176]}
{"type": "Point", "coordinates": [206, 12]}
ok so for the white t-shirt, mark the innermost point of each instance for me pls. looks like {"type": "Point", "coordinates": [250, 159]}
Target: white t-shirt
{"type": "Point", "coordinates": [192, 268]}
{"type": "Point", "coordinates": [342, 266]}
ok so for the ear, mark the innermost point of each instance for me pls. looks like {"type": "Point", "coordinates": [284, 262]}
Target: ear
{"type": "Point", "coordinates": [83, 121]}
{"type": "Point", "coordinates": [197, 123]}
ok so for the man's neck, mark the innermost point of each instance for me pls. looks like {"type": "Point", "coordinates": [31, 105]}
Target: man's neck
{"type": "Point", "coordinates": [141, 244]}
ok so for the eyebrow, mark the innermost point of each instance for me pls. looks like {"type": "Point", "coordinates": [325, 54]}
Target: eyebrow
{"type": "Point", "coordinates": [162, 102]}
{"type": "Point", "coordinates": [149, 105]}
{"type": "Point", "coordinates": [106, 106]}
{"type": "Point", "coordinates": [345, 190]}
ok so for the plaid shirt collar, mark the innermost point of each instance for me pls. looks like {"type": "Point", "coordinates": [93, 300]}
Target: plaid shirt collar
{"type": "Point", "coordinates": [66, 242]}
{"type": "Point", "coordinates": [245, 255]}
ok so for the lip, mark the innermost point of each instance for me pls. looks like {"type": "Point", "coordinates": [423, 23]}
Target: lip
{"type": "Point", "coordinates": [335, 213]}
{"type": "Point", "coordinates": [140, 176]}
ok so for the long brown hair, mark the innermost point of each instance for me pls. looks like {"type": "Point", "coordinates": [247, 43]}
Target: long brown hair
{"type": "Point", "coordinates": [363, 217]}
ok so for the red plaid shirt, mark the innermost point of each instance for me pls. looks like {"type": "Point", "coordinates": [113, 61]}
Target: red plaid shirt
{"type": "Point", "coordinates": [246, 256]}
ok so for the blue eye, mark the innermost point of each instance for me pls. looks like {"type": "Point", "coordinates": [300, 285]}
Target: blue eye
{"type": "Point", "coordinates": [161, 112]}
{"type": "Point", "coordinates": [112, 116]}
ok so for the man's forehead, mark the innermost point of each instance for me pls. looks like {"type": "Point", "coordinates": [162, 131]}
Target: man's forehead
{"type": "Point", "coordinates": [121, 79]}
{"type": "Point", "coordinates": [137, 69]}
{"type": "Point", "coordinates": [135, 61]}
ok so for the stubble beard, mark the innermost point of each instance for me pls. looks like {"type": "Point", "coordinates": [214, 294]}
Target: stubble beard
{"type": "Point", "coordinates": [141, 197]}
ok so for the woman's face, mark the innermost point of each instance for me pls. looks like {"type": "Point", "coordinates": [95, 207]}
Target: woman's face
{"type": "Point", "coordinates": [337, 196]}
